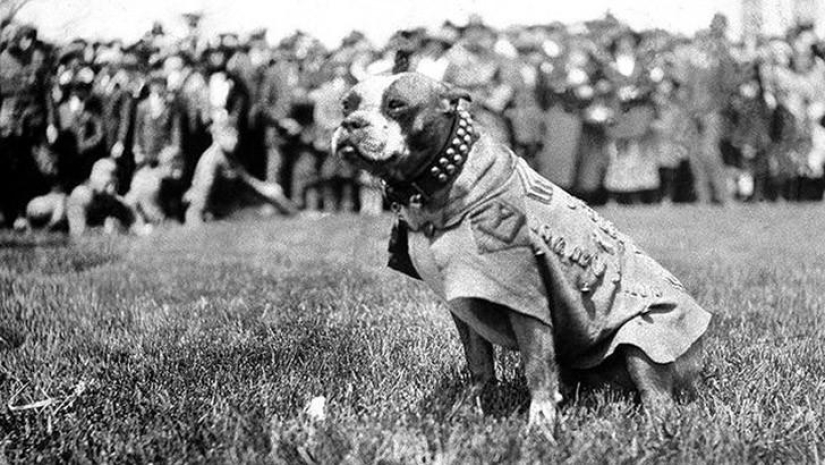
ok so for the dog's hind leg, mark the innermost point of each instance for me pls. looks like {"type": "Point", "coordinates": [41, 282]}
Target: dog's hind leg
{"type": "Point", "coordinates": [687, 368]}
{"type": "Point", "coordinates": [654, 381]}
{"type": "Point", "coordinates": [535, 343]}
{"type": "Point", "coordinates": [657, 383]}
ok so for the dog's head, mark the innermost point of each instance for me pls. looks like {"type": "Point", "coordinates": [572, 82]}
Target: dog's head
{"type": "Point", "coordinates": [394, 124]}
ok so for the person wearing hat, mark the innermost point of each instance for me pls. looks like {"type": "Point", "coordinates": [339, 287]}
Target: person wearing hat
{"type": "Point", "coordinates": [23, 114]}
{"type": "Point", "coordinates": [524, 114]}
{"type": "Point", "coordinates": [632, 174]}
{"type": "Point", "coordinates": [157, 154]}
{"type": "Point", "coordinates": [251, 63]}
{"type": "Point", "coordinates": [156, 127]}
{"type": "Point", "coordinates": [79, 138]}
{"type": "Point", "coordinates": [229, 96]}
{"type": "Point", "coordinates": [190, 101]}
{"type": "Point", "coordinates": [563, 68]}
{"type": "Point", "coordinates": [113, 88]}
{"type": "Point", "coordinates": [710, 83]}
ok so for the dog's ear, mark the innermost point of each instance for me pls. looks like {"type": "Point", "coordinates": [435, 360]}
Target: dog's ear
{"type": "Point", "coordinates": [452, 96]}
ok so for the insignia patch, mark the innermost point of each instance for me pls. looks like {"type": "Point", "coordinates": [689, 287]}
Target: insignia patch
{"type": "Point", "coordinates": [496, 226]}
{"type": "Point", "coordinates": [536, 186]}
{"type": "Point", "coordinates": [675, 283]}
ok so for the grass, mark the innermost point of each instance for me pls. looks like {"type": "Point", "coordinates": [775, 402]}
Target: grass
{"type": "Point", "coordinates": [204, 347]}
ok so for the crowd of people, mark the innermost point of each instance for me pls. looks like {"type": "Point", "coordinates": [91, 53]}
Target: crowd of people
{"type": "Point", "coordinates": [190, 129]}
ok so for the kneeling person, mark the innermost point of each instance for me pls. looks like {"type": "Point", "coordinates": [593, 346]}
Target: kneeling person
{"type": "Point", "coordinates": [96, 203]}
{"type": "Point", "coordinates": [47, 212]}
{"type": "Point", "coordinates": [220, 182]}
{"type": "Point", "coordinates": [156, 191]}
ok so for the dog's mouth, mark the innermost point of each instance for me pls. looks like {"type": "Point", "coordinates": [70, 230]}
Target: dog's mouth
{"type": "Point", "coordinates": [348, 151]}
{"type": "Point", "coordinates": [351, 152]}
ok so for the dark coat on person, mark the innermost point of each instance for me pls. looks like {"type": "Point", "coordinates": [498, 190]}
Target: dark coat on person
{"type": "Point", "coordinates": [23, 84]}
{"type": "Point", "coordinates": [155, 132]}
{"type": "Point", "coordinates": [80, 141]}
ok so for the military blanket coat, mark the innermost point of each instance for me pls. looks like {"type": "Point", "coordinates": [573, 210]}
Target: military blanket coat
{"type": "Point", "coordinates": [511, 237]}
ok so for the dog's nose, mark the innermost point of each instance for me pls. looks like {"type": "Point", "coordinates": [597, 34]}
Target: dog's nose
{"type": "Point", "coordinates": [354, 122]}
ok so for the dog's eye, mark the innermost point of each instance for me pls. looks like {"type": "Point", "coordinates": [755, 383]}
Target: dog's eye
{"type": "Point", "coordinates": [396, 105]}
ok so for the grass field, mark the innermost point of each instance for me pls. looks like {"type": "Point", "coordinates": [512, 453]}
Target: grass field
{"type": "Point", "coordinates": [193, 347]}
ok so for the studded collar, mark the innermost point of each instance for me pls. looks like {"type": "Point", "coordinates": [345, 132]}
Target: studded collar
{"type": "Point", "coordinates": [442, 169]}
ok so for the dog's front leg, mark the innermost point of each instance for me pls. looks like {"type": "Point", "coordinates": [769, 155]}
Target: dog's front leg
{"type": "Point", "coordinates": [479, 354]}
{"type": "Point", "coordinates": [535, 343]}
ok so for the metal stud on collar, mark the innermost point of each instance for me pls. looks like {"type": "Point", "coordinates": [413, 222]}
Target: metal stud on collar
{"type": "Point", "coordinates": [457, 151]}
{"type": "Point", "coordinates": [443, 168]}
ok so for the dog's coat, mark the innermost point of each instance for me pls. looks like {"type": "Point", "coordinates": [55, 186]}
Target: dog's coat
{"type": "Point", "coordinates": [511, 237]}
{"type": "Point", "coordinates": [521, 263]}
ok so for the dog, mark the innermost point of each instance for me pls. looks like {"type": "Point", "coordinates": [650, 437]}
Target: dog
{"type": "Point", "coordinates": [520, 263]}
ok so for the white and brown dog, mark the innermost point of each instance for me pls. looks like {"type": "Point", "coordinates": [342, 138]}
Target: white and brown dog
{"type": "Point", "coordinates": [520, 262]}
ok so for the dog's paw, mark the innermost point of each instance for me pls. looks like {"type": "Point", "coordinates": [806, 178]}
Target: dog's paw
{"type": "Point", "coordinates": [471, 398]}
{"type": "Point", "coordinates": [542, 418]}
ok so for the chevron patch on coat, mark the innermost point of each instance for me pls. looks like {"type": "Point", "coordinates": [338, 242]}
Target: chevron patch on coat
{"type": "Point", "coordinates": [496, 226]}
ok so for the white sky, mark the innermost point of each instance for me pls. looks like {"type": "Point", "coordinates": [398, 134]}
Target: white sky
{"type": "Point", "coordinates": [330, 20]}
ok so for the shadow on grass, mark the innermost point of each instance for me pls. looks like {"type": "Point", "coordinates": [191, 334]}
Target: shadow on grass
{"type": "Point", "coordinates": [53, 257]}
{"type": "Point", "coordinates": [32, 242]}
{"type": "Point", "coordinates": [10, 339]}
{"type": "Point", "coordinates": [451, 396]}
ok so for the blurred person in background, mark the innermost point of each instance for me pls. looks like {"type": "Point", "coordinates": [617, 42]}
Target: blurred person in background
{"type": "Point", "coordinates": [229, 95]}
{"type": "Point", "coordinates": [476, 67]}
{"type": "Point", "coordinates": [221, 184]}
{"type": "Point", "coordinates": [750, 134]}
{"type": "Point", "coordinates": [632, 174]}
{"type": "Point", "coordinates": [77, 131]}
{"type": "Point", "coordinates": [570, 99]}
{"type": "Point", "coordinates": [589, 92]}
{"type": "Point", "coordinates": [23, 117]}
{"type": "Point", "coordinates": [796, 81]}
{"type": "Point", "coordinates": [273, 107]}
{"type": "Point", "coordinates": [524, 114]}
{"type": "Point", "coordinates": [336, 182]}
{"type": "Point", "coordinates": [301, 165]}
{"type": "Point", "coordinates": [431, 59]}
{"type": "Point", "coordinates": [157, 154]}
{"type": "Point", "coordinates": [709, 77]}
{"type": "Point", "coordinates": [156, 191]}
{"type": "Point", "coordinates": [48, 212]}
{"type": "Point", "coordinates": [190, 102]}
{"type": "Point", "coordinates": [562, 123]}
{"type": "Point", "coordinates": [97, 203]}
{"type": "Point", "coordinates": [675, 136]}
{"type": "Point", "coordinates": [809, 93]}
{"type": "Point", "coordinates": [264, 89]}
{"type": "Point", "coordinates": [113, 88]}
{"type": "Point", "coordinates": [156, 127]}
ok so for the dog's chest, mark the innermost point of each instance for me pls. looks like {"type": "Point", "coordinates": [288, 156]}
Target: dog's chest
{"type": "Point", "coordinates": [423, 256]}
